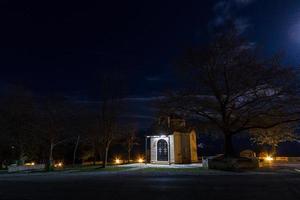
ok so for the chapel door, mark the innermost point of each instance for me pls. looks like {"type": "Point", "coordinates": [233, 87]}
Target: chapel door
{"type": "Point", "coordinates": [162, 150]}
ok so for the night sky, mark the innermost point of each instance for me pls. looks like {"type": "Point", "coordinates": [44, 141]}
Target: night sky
{"type": "Point", "coordinates": [65, 46]}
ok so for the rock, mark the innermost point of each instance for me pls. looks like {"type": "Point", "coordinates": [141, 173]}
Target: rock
{"type": "Point", "coordinates": [263, 154]}
{"type": "Point", "coordinates": [205, 163]}
{"type": "Point", "coordinates": [233, 164]}
{"type": "Point", "coordinates": [248, 153]}
{"type": "Point", "coordinates": [16, 168]}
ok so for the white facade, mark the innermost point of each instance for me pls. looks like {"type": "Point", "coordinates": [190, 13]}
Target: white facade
{"type": "Point", "coordinates": [180, 147]}
{"type": "Point", "coordinates": [153, 148]}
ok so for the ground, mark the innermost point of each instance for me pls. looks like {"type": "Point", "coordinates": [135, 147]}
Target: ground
{"type": "Point", "coordinates": [140, 182]}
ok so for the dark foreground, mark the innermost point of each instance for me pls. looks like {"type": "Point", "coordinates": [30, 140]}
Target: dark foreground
{"type": "Point", "coordinates": [135, 185]}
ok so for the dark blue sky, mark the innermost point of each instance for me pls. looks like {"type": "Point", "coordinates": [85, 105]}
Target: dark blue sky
{"type": "Point", "coordinates": [64, 46]}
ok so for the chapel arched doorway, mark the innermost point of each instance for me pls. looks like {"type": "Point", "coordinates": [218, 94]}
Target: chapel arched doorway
{"type": "Point", "coordinates": [162, 150]}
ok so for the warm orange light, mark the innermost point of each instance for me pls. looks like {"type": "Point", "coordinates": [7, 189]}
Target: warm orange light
{"type": "Point", "coordinates": [117, 161]}
{"type": "Point", "coordinates": [30, 164]}
{"type": "Point", "coordinates": [60, 164]}
{"type": "Point", "coordinates": [140, 160]}
{"type": "Point", "coordinates": [269, 158]}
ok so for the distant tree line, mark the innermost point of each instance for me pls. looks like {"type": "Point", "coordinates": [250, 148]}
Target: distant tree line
{"type": "Point", "coordinates": [44, 128]}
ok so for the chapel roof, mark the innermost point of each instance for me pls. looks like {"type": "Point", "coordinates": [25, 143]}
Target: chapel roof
{"type": "Point", "coordinates": [167, 125]}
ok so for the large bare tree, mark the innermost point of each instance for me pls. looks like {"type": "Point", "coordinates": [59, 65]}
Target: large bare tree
{"type": "Point", "coordinates": [108, 117]}
{"type": "Point", "coordinates": [234, 89]}
{"type": "Point", "coordinates": [54, 124]}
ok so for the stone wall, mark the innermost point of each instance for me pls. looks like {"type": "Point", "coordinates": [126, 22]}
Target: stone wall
{"type": "Point", "coordinates": [15, 168]}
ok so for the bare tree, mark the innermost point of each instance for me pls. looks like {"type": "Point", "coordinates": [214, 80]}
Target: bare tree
{"type": "Point", "coordinates": [76, 149]}
{"type": "Point", "coordinates": [82, 126]}
{"type": "Point", "coordinates": [93, 139]}
{"type": "Point", "coordinates": [130, 140]}
{"type": "Point", "coordinates": [234, 89]}
{"type": "Point", "coordinates": [274, 136]}
{"type": "Point", "coordinates": [108, 124]}
{"type": "Point", "coordinates": [54, 123]}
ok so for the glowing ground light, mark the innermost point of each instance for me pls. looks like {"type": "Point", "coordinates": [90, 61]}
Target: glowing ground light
{"type": "Point", "coordinates": [269, 158]}
{"type": "Point", "coordinates": [117, 161]}
{"type": "Point", "coordinates": [58, 165]}
{"type": "Point", "coordinates": [140, 160]}
{"type": "Point", "coordinates": [30, 164]}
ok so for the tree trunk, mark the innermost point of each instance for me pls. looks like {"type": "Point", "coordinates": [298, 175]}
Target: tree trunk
{"type": "Point", "coordinates": [1, 164]}
{"type": "Point", "coordinates": [228, 146]}
{"type": "Point", "coordinates": [129, 155]}
{"type": "Point", "coordinates": [274, 150]}
{"type": "Point", "coordinates": [94, 159]}
{"type": "Point", "coordinates": [50, 162]}
{"type": "Point", "coordinates": [104, 163]}
{"type": "Point", "coordinates": [75, 149]}
{"type": "Point", "coordinates": [21, 156]}
{"type": "Point", "coordinates": [94, 154]}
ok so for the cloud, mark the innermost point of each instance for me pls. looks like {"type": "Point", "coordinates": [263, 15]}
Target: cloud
{"type": "Point", "coordinates": [249, 45]}
{"type": "Point", "coordinates": [225, 11]}
{"type": "Point", "coordinates": [136, 99]}
{"type": "Point", "coordinates": [294, 32]}
{"type": "Point", "coordinates": [153, 78]}
{"type": "Point", "coordinates": [222, 11]}
{"type": "Point", "coordinates": [243, 2]}
{"type": "Point", "coordinates": [138, 116]}
{"type": "Point", "coordinates": [222, 6]}
{"type": "Point", "coordinates": [127, 99]}
{"type": "Point", "coordinates": [241, 24]}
